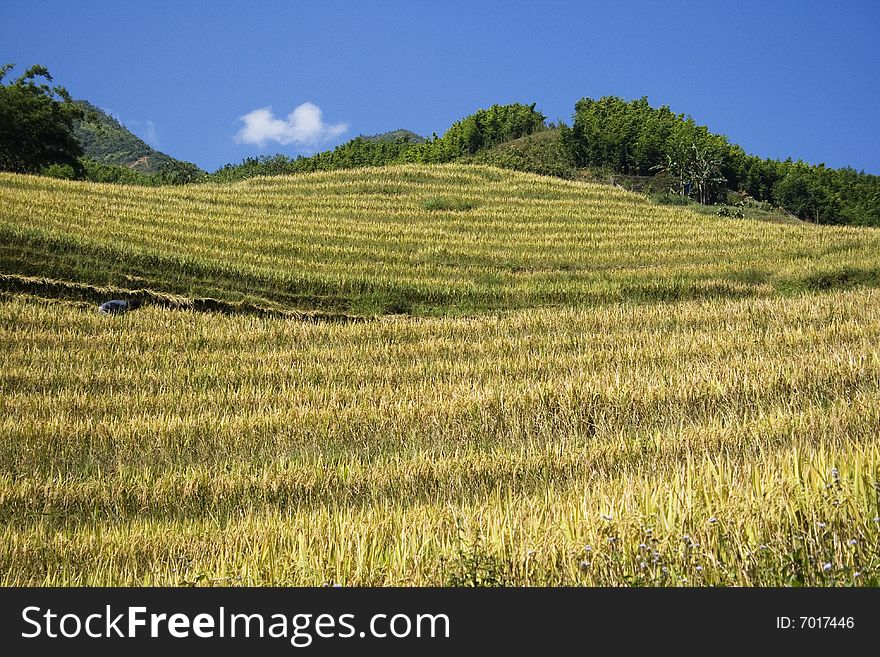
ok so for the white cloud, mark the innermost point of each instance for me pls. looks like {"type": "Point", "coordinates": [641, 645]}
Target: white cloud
{"type": "Point", "coordinates": [304, 126]}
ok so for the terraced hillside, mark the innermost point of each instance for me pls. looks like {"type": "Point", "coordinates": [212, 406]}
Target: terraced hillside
{"type": "Point", "coordinates": [668, 399]}
{"type": "Point", "coordinates": [411, 239]}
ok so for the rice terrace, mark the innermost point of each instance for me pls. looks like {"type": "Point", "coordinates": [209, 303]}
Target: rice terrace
{"type": "Point", "coordinates": [433, 296]}
{"type": "Point", "coordinates": [558, 382]}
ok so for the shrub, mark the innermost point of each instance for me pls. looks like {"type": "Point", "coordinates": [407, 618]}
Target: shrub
{"type": "Point", "coordinates": [735, 212]}
{"type": "Point", "coordinates": [450, 204]}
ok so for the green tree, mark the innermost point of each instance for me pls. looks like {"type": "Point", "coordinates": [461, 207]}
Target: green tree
{"type": "Point", "coordinates": [36, 123]}
{"type": "Point", "coordinates": [179, 173]}
{"type": "Point", "coordinates": [629, 138]}
{"type": "Point", "coordinates": [483, 129]}
{"type": "Point", "coordinates": [808, 193]}
{"type": "Point", "coordinates": [636, 139]}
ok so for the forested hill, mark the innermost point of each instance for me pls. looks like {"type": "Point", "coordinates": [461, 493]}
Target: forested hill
{"type": "Point", "coordinates": [112, 153]}
{"type": "Point", "coordinates": [105, 140]}
{"type": "Point", "coordinates": [633, 144]}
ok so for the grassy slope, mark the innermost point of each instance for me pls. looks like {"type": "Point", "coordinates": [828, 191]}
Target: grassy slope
{"type": "Point", "coordinates": [540, 152]}
{"type": "Point", "coordinates": [174, 448]}
{"type": "Point", "coordinates": [370, 241]}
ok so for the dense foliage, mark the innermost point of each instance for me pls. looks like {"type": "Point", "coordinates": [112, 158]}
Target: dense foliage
{"type": "Point", "coordinates": [359, 152]}
{"type": "Point", "coordinates": [634, 138]}
{"type": "Point", "coordinates": [483, 129]}
{"type": "Point", "coordinates": [36, 123]}
{"type": "Point", "coordinates": [172, 172]}
{"type": "Point", "coordinates": [398, 136]}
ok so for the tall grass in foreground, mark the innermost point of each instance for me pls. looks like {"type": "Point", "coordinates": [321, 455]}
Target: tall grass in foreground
{"type": "Point", "coordinates": [707, 442]}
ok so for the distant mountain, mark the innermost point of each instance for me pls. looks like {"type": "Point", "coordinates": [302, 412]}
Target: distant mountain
{"type": "Point", "coordinates": [106, 140]}
{"type": "Point", "coordinates": [400, 136]}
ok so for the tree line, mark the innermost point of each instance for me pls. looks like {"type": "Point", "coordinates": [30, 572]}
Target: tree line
{"type": "Point", "coordinates": [481, 130]}
{"type": "Point", "coordinates": [607, 134]}
{"type": "Point", "coordinates": [610, 134]}
{"type": "Point", "coordinates": [636, 139]}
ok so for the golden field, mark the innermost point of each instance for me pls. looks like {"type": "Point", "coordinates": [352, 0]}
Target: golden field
{"type": "Point", "coordinates": [413, 239]}
{"type": "Point", "coordinates": [598, 391]}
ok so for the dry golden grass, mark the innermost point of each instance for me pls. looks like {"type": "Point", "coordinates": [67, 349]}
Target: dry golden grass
{"type": "Point", "coordinates": [415, 239]}
{"type": "Point", "coordinates": [702, 442]}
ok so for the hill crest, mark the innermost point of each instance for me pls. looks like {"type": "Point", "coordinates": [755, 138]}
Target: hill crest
{"type": "Point", "coordinates": [106, 140]}
{"type": "Point", "coordinates": [399, 136]}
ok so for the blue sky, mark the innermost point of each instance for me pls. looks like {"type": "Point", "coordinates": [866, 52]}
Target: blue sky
{"type": "Point", "coordinates": [799, 79]}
